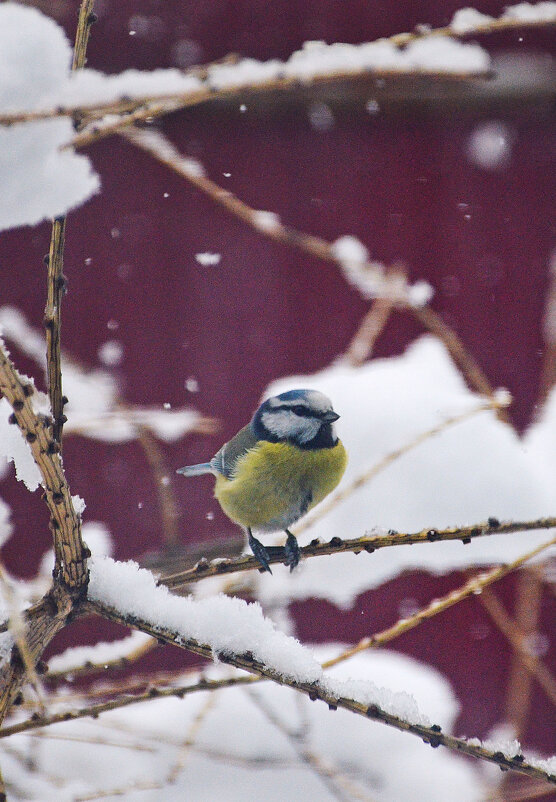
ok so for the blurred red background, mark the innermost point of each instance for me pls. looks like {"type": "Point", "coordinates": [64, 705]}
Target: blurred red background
{"type": "Point", "coordinates": [398, 179]}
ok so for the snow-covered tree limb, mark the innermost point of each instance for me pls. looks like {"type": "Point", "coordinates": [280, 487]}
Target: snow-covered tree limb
{"type": "Point", "coordinates": [252, 652]}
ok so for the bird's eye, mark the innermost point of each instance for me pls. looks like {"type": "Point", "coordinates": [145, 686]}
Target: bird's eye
{"type": "Point", "coordinates": [299, 410]}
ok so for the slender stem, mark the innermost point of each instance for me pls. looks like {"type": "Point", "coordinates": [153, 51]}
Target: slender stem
{"type": "Point", "coordinates": [367, 543]}
{"type": "Point", "coordinates": [56, 284]}
{"type": "Point", "coordinates": [52, 323]}
{"type": "Point", "coordinates": [475, 585]}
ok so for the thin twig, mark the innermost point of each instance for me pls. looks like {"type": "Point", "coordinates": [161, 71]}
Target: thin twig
{"type": "Point", "coordinates": [367, 543]}
{"type": "Point", "coordinates": [192, 733]}
{"type": "Point", "coordinates": [94, 711]}
{"type": "Point", "coordinates": [149, 106]}
{"type": "Point", "coordinates": [159, 146]}
{"type": "Point", "coordinates": [527, 613]}
{"type": "Point", "coordinates": [364, 478]}
{"type": "Point", "coordinates": [52, 323]}
{"type": "Point", "coordinates": [363, 342]}
{"type": "Point", "coordinates": [166, 500]}
{"type": "Point", "coordinates": [467, 364]}
{"type": "Point", "coordinates": [105, 665]}
{"type": "Point", "coordinates": [164, 151]}
{"type": "Point", "coordinates": [318, 690]}
{"type": "Point", "coordinates": [535, 668]}
{"type": "Point", "coordinates": [473, 586]}
{"type": "Point", "coordinates": [56, 284]}
{"type": "Point", "coordinates": [330, 775]}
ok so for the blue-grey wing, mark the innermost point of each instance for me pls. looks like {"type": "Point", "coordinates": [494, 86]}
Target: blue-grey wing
{"type": "Point", "coordinates": [226, 459]}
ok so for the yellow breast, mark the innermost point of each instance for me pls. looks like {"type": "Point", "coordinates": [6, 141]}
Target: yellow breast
{"type": "Point", "coordinates": [275, 483]}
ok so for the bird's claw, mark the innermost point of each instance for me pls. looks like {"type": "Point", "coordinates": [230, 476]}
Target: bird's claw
{"type": "Point", "coordinates": [260, 553]}
{"type": "Point", "coordinates": [292, 550]}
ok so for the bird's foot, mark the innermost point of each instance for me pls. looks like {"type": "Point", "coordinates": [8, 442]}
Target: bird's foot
{"type": "Point", "coordinates": [292, 551]}
{"type": "Point", "coordinates": [259, 552]}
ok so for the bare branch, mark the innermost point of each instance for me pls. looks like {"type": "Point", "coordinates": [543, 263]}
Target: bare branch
{"type": "Point", "coordinates": [367, 543]}
{"type": "Point", "coordinates": [163, 150]}
{"type": "Point", "coordinates": [475, 585]}
{"type": "Point", "coordinates": [64, 521]}
{"type": "Point", "coordinates": [85, 21]}
{"type": "Point", "coordinates": [56, 284]}
{"type": "Point", "coordinates": [52, 322]}
{"type": "Point", "coordinates": [94, 711]}
{"type": "Point", "coordinates": [535, 668]}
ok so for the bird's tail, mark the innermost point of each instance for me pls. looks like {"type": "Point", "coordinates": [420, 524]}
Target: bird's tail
{"type": "Point", "coordinates": [196, 470]}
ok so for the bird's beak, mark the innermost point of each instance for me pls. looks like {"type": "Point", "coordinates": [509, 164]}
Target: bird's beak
{"type": "Point", "coordinates": [330, 417]}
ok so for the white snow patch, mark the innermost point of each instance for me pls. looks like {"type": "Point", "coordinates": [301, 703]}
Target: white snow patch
{"type": "Point", "coordinates": [467, 20]}
{"type": "Point", "coordinates": [14, 448]}
{"type": "Point", "coordinates": [261, 761]}
{"type": "Point", "coordinates": [471, 471]}
{"type": "Point", "coordinates": [531, 12]}
{"type": "Point", "coordinates": [266, 221]}
{"type": "Point", "coordinates": [38, 179]}
{"type": "Point", "coordinates": [208, 259]}
{"type": "Point", "coordinates": [230, 626]}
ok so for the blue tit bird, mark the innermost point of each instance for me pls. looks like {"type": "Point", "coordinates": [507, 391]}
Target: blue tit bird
{"type": "Point", "coordinates": [279, 466]}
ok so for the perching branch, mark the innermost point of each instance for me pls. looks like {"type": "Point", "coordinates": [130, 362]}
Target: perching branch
{"type": "Point", "coordinates": [317, 690]}
{"type": "Point", "coordinates": [368, 475]}
{"type": "Point", "coordinates": [368, 543]}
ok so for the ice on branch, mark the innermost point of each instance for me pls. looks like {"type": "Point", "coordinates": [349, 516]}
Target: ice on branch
{"type": "Point", "coordinates": [471, 471]}
{"type": "Point", "coordinates": [38, 179]}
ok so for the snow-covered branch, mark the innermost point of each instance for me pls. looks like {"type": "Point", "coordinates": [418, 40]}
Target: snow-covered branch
{"type": "Point", "coordinates": [236, 633]}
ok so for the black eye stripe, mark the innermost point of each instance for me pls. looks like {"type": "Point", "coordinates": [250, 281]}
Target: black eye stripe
{"type": "Point", "coordinates": [298, 409]}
